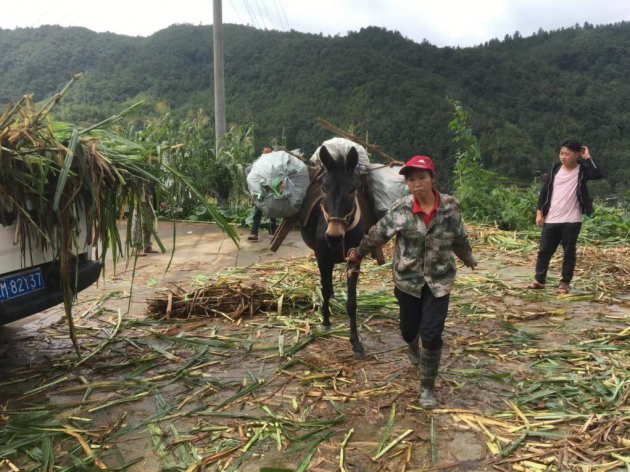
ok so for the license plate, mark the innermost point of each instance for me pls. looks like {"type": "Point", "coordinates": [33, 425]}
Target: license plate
{"type": "Point", "coordinates": [20, 284]}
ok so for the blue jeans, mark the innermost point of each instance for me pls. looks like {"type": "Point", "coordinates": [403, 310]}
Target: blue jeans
{"type": "Point", "coordinates": [256, 224]}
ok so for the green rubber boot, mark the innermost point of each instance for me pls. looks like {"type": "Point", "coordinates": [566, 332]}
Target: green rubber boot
{"type": "Point", "coordinates": [413, 353]}
{"type": "Point", "coordinates": [429, 364]}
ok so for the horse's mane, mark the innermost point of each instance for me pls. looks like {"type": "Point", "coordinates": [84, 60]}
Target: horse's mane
{"type": "Point", "coordinates": [341, 159]}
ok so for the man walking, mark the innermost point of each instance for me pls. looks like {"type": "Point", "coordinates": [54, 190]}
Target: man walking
{"type": "Point", "coordinates": [563, 200]}
{"type": "Point", "coordinates": [429, 230]}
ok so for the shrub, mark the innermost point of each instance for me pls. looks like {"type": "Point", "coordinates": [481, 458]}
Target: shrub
{"type": "Point", "coordinates": [482, 193]}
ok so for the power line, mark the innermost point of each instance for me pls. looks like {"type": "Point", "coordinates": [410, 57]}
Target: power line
{"type": "Point", "coordinates": [275, 2]}
{"type": "Point", "coordinates": [285, 14]}
{"type": "Point", "coordinates": [52, 7]}
{"type": "Point", "coordinates": [250, 14]}
{"type": "Point", "coordinates": [237, 13]}
{"type": "Point", "coordinates": [261, 15]}
{"type": "Point", "coordinates": [268, 15]}
{"type": "Point", "coordinates": [76, 19]}
{"type": "Point", "coordinates": [250, 10]}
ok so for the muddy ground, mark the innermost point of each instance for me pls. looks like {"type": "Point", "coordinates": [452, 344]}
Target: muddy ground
{"type": "Point", "coordinates": [267, 392]}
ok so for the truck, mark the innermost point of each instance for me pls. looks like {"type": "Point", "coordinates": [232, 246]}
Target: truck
{"type": "Point", "coordinates": [30, 278]}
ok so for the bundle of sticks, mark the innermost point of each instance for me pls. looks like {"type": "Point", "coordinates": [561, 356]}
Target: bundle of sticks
{"type": "Point", "coordinates": [229, 299]}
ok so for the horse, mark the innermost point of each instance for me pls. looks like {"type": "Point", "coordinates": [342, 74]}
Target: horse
{"type": "Point", "coordinates": [332, 229]}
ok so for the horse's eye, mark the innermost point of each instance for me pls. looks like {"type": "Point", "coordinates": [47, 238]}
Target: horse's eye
{"type": "Point", "coordinates": [323, 190]}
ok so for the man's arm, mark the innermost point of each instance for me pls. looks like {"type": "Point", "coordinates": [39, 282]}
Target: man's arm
{"type": "Point", "coordinates": [540, 219]}
{"type": "Point", "coordinates": [544, 192]}
{"type": "Point", "coordinates": [591, 171]}
{"type": "Point", "coordinates": [542, 198]}
{"type": "Point", "coordinates": [381, 232]}
{"type": "Point", "coordinates": [461, 245]}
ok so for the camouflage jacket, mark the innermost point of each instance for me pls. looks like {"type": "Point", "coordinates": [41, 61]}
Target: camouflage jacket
{"type": "Point", "coordinates": [422, 255]}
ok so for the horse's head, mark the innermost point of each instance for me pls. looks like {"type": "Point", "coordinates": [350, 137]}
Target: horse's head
{"type": "Point", "coordinates": [339, 190]}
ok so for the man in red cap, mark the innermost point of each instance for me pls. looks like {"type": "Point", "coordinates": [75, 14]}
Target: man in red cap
{"type": "Point", "coordinates": [428, 229]}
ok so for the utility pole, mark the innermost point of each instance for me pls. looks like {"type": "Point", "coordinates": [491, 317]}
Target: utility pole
{"type": "Point", "coordinates": [219, 75]}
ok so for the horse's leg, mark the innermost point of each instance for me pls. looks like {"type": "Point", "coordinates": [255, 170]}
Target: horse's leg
{"type": "Point", "coordinates": [326, 274]}
{"type": "Point", "coordinates": [351, 307]}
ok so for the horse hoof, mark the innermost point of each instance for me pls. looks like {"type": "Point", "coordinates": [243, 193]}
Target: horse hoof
{"type": "Point", "coordinates": [360, 355]}
{"type": "Point", "coordinates": [325, 328]}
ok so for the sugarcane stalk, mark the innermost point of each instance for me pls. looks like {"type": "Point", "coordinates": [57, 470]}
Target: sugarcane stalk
{"type": "Point", "coordinates": [393, 444]}
{"type": "Point", "coordinates": [341, 451]}
{"type": "Point", "coordinates": [55, 99]}
{"type": "Point", "coordinates": [434, 449]}
{"type": "Point", "coordinates": [353, 138]}
{"type": "Point", "coordinates": [6, 118]}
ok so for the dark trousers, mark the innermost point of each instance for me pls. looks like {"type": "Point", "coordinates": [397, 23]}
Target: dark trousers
{"type": "Point", "coordinates": [552, 235]}
{"type": "Point", "coordinates": [256, 224]}
{"type": "Point", "coordinates": [425, 316]}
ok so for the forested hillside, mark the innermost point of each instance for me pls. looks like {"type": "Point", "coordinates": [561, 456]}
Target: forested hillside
{"type": "Point", "coordinates": [525, 94]}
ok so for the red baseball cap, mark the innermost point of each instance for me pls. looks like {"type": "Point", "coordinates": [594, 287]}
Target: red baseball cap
{"type": "Point", "coordinates": [418, 162]}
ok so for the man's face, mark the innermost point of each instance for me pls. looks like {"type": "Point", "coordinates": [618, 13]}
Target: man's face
{"type": "Point", "coordinates": [420, 182]}
{"type": "Point", "coordinates": [568, 158]}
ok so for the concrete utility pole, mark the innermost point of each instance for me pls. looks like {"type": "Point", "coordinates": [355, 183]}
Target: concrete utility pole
{"type": "Point", "coordinates": [219, 76]}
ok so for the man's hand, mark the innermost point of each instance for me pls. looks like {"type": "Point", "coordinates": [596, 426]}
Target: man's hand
{"type": "Point", "coordinates": [584, 153]}
{"type": "Point", "coordinates": [353, 257]}
{"type": "Point", "coordinates": [472, 264]}
{"type": "Point", "coordinates": [539, 219]}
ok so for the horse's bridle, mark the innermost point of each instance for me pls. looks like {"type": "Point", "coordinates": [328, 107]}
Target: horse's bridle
{"type": "Point", "coordinates": [349, 221]}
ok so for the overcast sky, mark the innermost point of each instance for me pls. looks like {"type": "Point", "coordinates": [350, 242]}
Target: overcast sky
{"type": "Point", "coordinates": [444, 23]}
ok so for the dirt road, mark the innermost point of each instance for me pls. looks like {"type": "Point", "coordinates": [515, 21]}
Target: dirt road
{"type": "Point", "coordinates": [201, 249]}
{"type": "Point", "coordinates": [527, 379]}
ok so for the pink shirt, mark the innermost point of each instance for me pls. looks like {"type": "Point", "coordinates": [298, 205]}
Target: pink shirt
{"type": "Point", "coordinates": [564, 207]}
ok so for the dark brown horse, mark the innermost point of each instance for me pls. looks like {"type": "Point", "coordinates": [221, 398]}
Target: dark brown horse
{"type": "Point", "coordinates": [333, 228]}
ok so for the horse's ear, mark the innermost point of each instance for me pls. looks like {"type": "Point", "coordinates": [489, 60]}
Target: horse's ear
{"type": "Point", "coordinates": [329, 162]}
{"type": "Point", "coordinates": [352, 159]}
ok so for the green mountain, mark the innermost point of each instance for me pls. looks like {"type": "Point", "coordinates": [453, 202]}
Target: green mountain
{"type": "Point", "coordinates": [525, 95]}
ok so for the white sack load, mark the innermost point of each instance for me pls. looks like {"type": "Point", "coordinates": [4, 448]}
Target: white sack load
{"type": "Point", "coordinates": [278, 182]}
{"type": "Point", "coordinates": [386, 186]}
{"type": "Point", "coordinates": [339, 148]}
